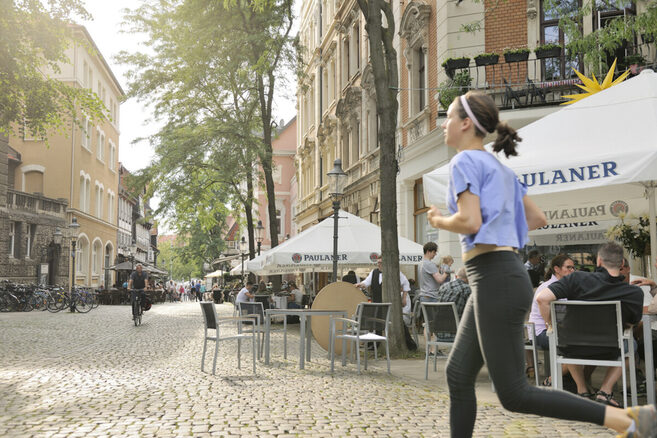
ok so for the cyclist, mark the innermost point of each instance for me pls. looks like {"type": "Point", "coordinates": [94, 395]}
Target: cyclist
{"type": "Point", "coordinates": [137, 284]}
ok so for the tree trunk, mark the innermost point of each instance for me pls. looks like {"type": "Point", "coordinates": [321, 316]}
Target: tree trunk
{"type": "Point", "coordinates": [383, 57]}
{"type": "Point", "coordinates": [266, 97]}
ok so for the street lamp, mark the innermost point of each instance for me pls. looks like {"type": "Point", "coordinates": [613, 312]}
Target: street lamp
{"type": "Point", "coordinates": [336, 179]}
{"type": "Point", "coordinates": [259, 230]}
{"type": "Point", "coordinates": [73, 227]}
{"type": "Point", "coordinates": [243, 248]}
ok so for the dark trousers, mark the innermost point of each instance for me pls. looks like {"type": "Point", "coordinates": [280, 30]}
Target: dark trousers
{"type": "Point", "coordinates": [491, 330]}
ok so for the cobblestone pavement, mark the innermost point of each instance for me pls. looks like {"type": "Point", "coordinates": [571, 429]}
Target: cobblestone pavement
{"type": "Point", "coordinates": [96, 374]}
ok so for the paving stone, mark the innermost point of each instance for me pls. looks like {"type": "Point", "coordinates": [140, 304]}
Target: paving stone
{"type": "Point", "coordinates": [97, 374]}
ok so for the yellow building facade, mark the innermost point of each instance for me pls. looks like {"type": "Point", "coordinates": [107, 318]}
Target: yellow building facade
{"type": "Point", "coordinates": [81, 165]}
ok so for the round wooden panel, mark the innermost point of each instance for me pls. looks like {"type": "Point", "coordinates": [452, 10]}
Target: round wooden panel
{"type": "Point", "coordinates": [335, 296]}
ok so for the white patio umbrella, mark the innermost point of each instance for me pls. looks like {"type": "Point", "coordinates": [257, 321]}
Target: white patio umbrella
{"type": "Point", "coordinates": [359, 244]}
{"type": "Point", "coordinates": [237, 269]}
{"type": "Point", "coordinates": [217, 273]}
{"type": "Point", "coordinates": [600, 149]}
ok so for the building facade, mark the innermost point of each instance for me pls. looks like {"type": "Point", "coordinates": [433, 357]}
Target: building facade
{"type": "Point", "coordinates": [336, 99]}
{"type": "Point", "coordinates": [336, 112]}
{"type": "Point", "coordinates": [283, 172]}
{"type": "Point", "coordinates": [81, 164]}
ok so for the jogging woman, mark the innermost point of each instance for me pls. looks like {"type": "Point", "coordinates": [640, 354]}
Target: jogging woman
{"type": "Point", "coordinates": [492, 213]}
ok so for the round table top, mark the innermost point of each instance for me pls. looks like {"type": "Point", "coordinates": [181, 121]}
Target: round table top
{"type": "Point", "coordinates": [335, 296]}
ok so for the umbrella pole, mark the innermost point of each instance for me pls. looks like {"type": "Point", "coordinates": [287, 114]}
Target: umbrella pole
{"type": "Point", "coordinates": [650, 191]}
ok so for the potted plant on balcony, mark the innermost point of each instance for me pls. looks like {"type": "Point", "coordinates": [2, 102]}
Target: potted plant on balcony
{"type": "Point", "coordinates": [451, 64]}
{"type": "Point", "coordinates": [449, 89]}
{"type": "Point", "coordinates": [549, 50]}
{"type": "Point", "coordinates": [486, 59]}
{"type": "Point", "coordinates": [516, 55]}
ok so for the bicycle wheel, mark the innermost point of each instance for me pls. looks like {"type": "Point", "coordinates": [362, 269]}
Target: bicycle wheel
{"type": "Point", "coordinates": [55, 303]}
{"type": "Point", "coordinates": [82, 302]}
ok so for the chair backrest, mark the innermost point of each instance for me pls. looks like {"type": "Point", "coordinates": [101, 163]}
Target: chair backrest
{"type": "Point", "coordinates": [373, 316]}
{"type": "Point", "coordinates": [441, 318]}
{"type": "Point", "coordinates": [263, 299]}
{"type": "Point", "coordinates": [250, 308]}
{"type": "Point", "coordinates": [587, 323]}
{"type": "Point", "coordinates": [209, 314]}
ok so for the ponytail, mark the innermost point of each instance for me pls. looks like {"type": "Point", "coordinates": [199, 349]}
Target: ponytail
{"type": "Point", "coordinates": [507, 139]}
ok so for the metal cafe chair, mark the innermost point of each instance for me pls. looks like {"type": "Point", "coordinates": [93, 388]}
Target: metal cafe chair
{"type": "Point", "coordinates": [213, 322]}
{"type": "Point", "coordinates": [440, 320]}
{"type": "Point", "coordinates": [370, 319]}
{"type": "Point", "coordinates": [578, 324]}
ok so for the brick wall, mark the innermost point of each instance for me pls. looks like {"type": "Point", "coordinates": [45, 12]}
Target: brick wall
{"type": "Point", "coordinates": [506, 27]}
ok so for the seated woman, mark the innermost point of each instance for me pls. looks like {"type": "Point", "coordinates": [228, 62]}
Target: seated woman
{"type": "Point", "coordinates": [560, 266]}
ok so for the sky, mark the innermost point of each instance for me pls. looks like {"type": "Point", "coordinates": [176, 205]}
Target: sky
{"type": "Point", "coordinates": [105, 30]}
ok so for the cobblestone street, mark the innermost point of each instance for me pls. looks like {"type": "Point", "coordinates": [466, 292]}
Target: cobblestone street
{"type": "Point", "coordinates": [97, 374]}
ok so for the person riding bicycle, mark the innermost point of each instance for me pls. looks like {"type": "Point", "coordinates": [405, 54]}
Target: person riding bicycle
{"type": "Point", "coordinates": [137, 284]}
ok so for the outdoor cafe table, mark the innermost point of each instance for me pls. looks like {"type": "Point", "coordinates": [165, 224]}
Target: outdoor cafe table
{"type": "Point", "coordinates": [305, 334]}
{"type": "Point", "coordinates": [647, 319]}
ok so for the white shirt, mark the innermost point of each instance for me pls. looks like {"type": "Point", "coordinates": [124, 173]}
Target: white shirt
{"type": "Point", "coordinates": [241, 297]}
{"type": "Point", "coordinates": [405, 285]}
{"type": "Point", "coordinates": [298, 296]}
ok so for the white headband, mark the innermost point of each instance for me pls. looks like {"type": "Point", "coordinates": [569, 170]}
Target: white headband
{"type": "Point", "coordinates": [466, 107]}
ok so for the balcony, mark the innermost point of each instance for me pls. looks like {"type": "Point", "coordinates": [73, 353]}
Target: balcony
{"type": "Point", "coordinates": [36, 203]}
{"type": "Point", "coordinates": [530, 83]}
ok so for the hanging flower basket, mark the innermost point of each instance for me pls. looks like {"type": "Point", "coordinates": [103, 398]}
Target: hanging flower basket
{"type": "Point", "coordinates": [487, 59]}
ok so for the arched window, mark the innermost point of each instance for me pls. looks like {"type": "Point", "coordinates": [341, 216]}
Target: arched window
{"type": "Point", "coordinates": [96, 257]}
{"type": "Point", "coordinates": [82, 258]}
{"type": "Point", "coordinates": [33, 181]}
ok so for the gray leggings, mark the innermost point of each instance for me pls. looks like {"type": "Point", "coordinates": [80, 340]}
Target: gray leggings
{"type": "Point", "coordinates": [491, 330]}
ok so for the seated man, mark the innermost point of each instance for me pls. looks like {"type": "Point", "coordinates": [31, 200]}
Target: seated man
{"type": "Point", "coordinates": [457, 291]}
{"type": "Point", "coordinates": [605, 284]}
{"type": "Point", "coordinates": [245, 295]}
{"type": "Point", "coordinates": [295, 299]}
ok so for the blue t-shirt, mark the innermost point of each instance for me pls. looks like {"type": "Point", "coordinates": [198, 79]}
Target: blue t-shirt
{"type": "Point", "coordinates": [500, 195]}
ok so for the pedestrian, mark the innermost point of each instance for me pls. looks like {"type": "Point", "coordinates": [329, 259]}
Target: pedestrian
{"type": "Point", "coordinates": [492, 213]}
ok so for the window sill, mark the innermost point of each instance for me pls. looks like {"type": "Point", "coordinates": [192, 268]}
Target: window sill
{"type": "Point", "coordinates": [86, 149]}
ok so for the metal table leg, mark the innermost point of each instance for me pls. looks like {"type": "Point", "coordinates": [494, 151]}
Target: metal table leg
{"type": "Point", "coordinates": [650, 369]}
{"type": "Point", "coordinates": [267, 327]}
{"type": "Point", "coordinates": [302, 344]}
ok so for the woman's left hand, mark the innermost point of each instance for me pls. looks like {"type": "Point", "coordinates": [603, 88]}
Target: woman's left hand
{"type": "Point", "coordinates": [434, 215]}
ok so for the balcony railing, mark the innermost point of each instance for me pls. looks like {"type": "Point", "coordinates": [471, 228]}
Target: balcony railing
{"type": "Point", "coordinates": [36, 203]}
{"type": "Point", "coordinates": [522, 84]}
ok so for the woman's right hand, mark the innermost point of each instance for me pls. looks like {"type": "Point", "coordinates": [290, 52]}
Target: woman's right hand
{"type": "Point", "coordinates": [434, 215]}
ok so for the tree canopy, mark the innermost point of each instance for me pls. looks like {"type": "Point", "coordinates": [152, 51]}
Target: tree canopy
{"type": "Point", "coordinates": [200, 75]}
{"type": "Point", "coordinates": [34, 36]}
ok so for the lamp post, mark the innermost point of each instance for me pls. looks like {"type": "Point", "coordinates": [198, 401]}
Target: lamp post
{"type": "Point", "coordinates": [243, 248]}
{"type": "Point", "coordinates": [73, 227]}
{"type": "Point", "coordinates": [337, 179]}
{"type": "Point", "coordinates": [259, 230]}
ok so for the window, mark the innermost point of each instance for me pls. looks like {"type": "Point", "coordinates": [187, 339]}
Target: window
{"type": "Point", "coordinates": [33, 181]}
{"type": "Point", "coordinates": [423, 233]}
{"type": "Point", "coordinates": [12, 239]}
{"type": "Point", "coordinates": [85, 192]}
{"type": "Point", "coordinates": [86, 133]}
{"type": "Point", "coordinates": [90, 76]}
{"type": "Point", "coordinates": [558, 68]}
{"type": "Point", "coordinates": [355, 142]}
{"type": "Point", "coordinates": [345, 62]}
{"type": "Point", "coordinates": [98, 93]}
{"type": "Point", "coordinates": [99, 200]}
{"type": "Point", "coordinates": [278, 222]}
{"type": "Point", "coordinates": [82, 257]}
{"type": "Point", "coordinates": [607, 11]}
{"type": "Point", "coordinates": [110, 206]}
{"type": "Point", "coordinates": [96, 257]}
{"type": "Point", "coordinates": [112, 155]}
{"type": "Point", "coordinates": [101, 147]}
{"type": "Point", "coordinates": [420, 72]}
{"type": "Point", "coordinates": [31, 234]}
{"type": "Point", "coordinates": [345, 148]}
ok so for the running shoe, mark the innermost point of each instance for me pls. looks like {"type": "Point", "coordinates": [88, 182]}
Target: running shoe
{"type": "Point", "coordinates": [645, 418]}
